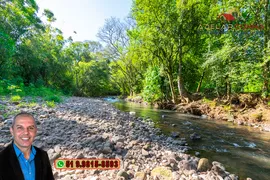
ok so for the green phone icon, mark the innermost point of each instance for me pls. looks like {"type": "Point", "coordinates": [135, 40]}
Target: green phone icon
{"type": "Point", "coordinates": [60, 164]}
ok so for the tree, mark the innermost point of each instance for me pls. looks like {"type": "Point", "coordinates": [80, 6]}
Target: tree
{"type": "Point", "coordinates": [16, 19]}
{"type": "Point", "coordinates": [168, 31]}
{"type": "Point", "coordinates": [266, 59]}
{"type": "Point", "coordinates": [115, 35]}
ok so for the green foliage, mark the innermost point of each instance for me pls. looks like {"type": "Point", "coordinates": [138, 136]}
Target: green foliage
{"type": "Point", "coordinates": [26, 104]}
{"type": "Point", "coordinates": [10, 113]}
{"type": "Point", "coordinates": [32, 104]}
{"type": "Point", "coordinates": [2, 107]}
{"type": "Point", "coordinates": [227, 107]}
{"type": "Point", "coordinates": [93, 78]}
{"type": "Point", "coordinates": [50, 104]}
{"type": "Point", "coordinates": [152, 85]}
{"type": "Point", "coordinates": [15, 98]}
{"type": "Point", "coordinates": [211, 103]}
{"type": "Point", "coordinates": [53, 98]}
{"type": "Point", "coordinates": [205, 100]}
{"type": "Point", "coordinates": [36, 60]}
{"type": "Point", "coordinates": [18, 91]}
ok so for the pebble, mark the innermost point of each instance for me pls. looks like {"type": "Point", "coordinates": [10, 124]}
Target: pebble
{"type": "Point", "coordinates": [91, 128]}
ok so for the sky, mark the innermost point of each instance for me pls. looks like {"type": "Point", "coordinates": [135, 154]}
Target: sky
{"type": "Point", "coordinates": [85, 17]}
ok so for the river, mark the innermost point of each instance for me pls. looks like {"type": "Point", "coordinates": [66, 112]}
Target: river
{"type": "Point", "coordinates": [244, 151]}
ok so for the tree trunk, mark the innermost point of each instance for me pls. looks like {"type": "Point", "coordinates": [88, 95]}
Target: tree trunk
{"type": "Point", "coordinates": [228, 88]}
{"type": "Point", "coordinates": [172, 87]}
{"type": "Point", "coordinates": [130, 92]}
{"type": "Point", "coordinates": [200, 83]}
{"type": "Point", "coordinates": [266, 46]}
{"type": "Point", "coordinates": [180, 82]}
{"type": "Point", "coordinates": [77, 83]}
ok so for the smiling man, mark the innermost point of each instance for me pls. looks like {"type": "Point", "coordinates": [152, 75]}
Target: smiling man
{"type": "Point", "coordinates": [20, 160]}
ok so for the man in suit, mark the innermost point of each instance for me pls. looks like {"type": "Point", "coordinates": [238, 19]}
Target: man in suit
{"type": "Point", "coordinates": [20, 160]}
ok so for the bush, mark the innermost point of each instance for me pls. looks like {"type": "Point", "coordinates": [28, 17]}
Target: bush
{"type": "Point", "coordinates": [2, 91]}
{"type": "Point", "coordinates": [2, 107]}
{"type": "Point", "coordinates": [53, 98]}
{"type": "Point", "coordinates": [50, 104]}
{"type": "Point", "coordinates": [152, 85]}
{"type": "Point", "coordinates": [15, 98]}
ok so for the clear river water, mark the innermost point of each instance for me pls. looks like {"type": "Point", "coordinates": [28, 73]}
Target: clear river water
{"type": "Point", "coordinates": [244, 151]}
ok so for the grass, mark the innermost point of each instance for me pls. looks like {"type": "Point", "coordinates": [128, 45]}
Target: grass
{"type": "Point", "coordinates": [17, 91]}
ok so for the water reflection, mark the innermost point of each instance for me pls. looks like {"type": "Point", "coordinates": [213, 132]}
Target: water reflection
{"type": "Point", "coordinates": [243, 150]}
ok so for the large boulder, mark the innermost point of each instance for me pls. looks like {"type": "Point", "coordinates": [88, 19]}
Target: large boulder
{"type": "Point", "coordinates": [203, 165]}
{"type": "Point", "coordinates": [162, 173]}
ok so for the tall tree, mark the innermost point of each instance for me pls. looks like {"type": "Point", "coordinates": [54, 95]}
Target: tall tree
{"type": "Point", "coordinates": [266, 62]}
{"type": "Point", "coordinates": [115, 34]}
{"type": "Point", "coordinates": [16, 19]}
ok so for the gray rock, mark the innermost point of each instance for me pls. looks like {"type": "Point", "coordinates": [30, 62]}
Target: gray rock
{"type": "Point", "coordinates": [67, 177]}
{"type": "Point", "coordinates": [44, 116]}
{"type": "Point", "coordinates": [176, 175]}
{"type": "Point", "coordinates": [140, 176]}
{"type": "Point", "coordinates": [215, 163]}
{"type": "Point", "coordinates": [195, 136]}
{"type": "Point", "coordinates": [203, 165]}
{"type": "Point", "coordinates": [219, 171]}
{"type": "Point", "coordinates": [266, 128]}
{"type": "Point", "coordinates": [57, 148]}
{"type": "Point", "coordinates": [106, 150]}
{"type": "Point", "coordinates": [8, 121]}
{"type": "Point", "coordinates": [123, 174]}
{"type": "Point", "coordinates": [54, 157]}
{"type": "Point", "coordinates": [80, 156]}
{"type": "Point", "coordinates": [144, 152]}
{"type": "Point", "coordinates": [188, 165]}
{"type": "Point", "coordinates": [175, 134]}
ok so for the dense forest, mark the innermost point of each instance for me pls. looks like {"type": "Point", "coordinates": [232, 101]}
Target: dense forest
{"type": "Point", "coordinates": [165, 50]}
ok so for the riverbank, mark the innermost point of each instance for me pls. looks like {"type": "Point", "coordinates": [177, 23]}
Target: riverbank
{"type": "Point", "coordinates": [242, 109]}
{"type": "Point", "coordinates": [88, 128]}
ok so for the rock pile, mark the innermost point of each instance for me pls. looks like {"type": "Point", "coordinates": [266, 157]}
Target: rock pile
{"type": "Point", "coordinates": [92, 128]}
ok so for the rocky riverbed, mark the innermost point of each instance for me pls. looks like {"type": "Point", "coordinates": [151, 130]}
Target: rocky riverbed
{"type": "Point", "coordinates": [92, 128]}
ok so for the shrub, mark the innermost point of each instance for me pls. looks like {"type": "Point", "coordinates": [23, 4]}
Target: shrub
{"type": "Point", "coordinates": [15, 98]}
{"type": "Point", "coordinates": [32, 104]}
{"type": "Point", "coordinates": [152, 85]}
{"type": "Point", "coordinates": [54, 98]}
{"type": "Point", "coordinates": [2, 107]}
{"type": "Point", "coordinates": [227, 108]}
{"type": "Point", "coordinates": [50, 104]}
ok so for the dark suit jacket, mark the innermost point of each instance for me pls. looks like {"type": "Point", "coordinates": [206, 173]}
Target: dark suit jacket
{"type": "Point", "coordinates": [10, 167]}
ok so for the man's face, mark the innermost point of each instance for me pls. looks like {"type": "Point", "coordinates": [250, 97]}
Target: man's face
{"type": "Point", "coordinates": [24, 131]}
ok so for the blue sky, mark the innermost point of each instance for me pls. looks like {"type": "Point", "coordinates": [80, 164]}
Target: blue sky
{"type": "Point", "coordinates": [85, 17]}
